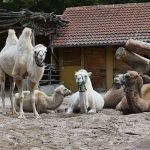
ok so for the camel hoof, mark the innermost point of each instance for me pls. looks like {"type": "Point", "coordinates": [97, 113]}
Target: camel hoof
{"type": "Point", "coordinates": [69, 111]}
{"type": "Point", "coordinates": [92, 111]}
{"type": "Point", "coordinates": [37, 116]}
{"type": "Point", "coordinates": [14, 112]}
{"type": "Point", "coordinates": [21, 116]}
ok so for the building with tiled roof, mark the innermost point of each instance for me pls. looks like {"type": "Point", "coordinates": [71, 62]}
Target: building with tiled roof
{"type": "Point", "coordinates": [105, 24]}
{"type": "Point", "coordinates": [92, 35]}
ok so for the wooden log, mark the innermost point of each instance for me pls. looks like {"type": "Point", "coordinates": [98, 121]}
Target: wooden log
{"type": "Point", "coordinates": [137, 45]}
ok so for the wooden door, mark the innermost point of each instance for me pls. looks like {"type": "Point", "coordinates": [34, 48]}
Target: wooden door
{"type": "Point", "coordinates": [94, 61]}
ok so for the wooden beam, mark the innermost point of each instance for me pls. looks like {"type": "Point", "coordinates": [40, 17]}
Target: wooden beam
{"type": "Point", "coordinates": [137, 45]}
{"type": "Point", "coordinates": [109, 66]}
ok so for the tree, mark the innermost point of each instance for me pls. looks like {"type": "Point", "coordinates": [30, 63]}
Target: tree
{"type": "Point", "coordinates": [57, 6]}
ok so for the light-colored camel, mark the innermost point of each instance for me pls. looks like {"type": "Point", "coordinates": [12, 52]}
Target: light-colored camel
{"type": "Point", "coordinates": [114, 95]}
{"type": "Point", "coordinates": [137, 95]}
{"type": "Point", "coordinates": [11, 40]}
{"type": "Point", "coordinates": [86, 99]}
{"type": "Point", "coordinates": [21, 61]}
{"type": "Point", "coordinates": [135, 61]}
{"type": "Point", "coordinates": [43, 102]}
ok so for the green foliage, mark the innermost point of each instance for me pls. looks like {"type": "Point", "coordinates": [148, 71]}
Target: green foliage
{"type": "Point", "coordinates": [58, 6]}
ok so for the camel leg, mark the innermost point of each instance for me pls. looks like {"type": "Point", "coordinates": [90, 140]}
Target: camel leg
{"type": "Point", "coordinates": [12, 87]}
{"type": "Point", "coordinates": [70, 110]}
{"type": "Point", "coordinates": [3, 97]}
{"type": "Point", "coordinates": [123, 106]}
{"type": "Point", "coordinates": [19, 84]}
{"type": "Point", "coordinates": [73, 107]}
{"type": "Point", "coordinates": [93, 107]}
{"type": "Point", "coordinates": [2, 82]}
{"type": "Point", "coordinates": [32, 88]}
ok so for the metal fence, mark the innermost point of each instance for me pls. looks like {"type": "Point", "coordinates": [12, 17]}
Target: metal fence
{"type": "Point", "coordinates": [51, 75]}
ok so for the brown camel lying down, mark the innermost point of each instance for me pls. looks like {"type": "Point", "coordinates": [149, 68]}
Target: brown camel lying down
{"type": "Point", "coordinates": [43, 102]}
{"type": "Point", "coordinates": [137, 95]}
{"type": "Point", "coordinates": [116, 93]}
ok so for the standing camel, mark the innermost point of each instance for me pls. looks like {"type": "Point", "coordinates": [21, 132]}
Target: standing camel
{"type": "Point", "coordinates": [86, 100]}
{"type": "Point", "coordinates": [21, 61]}
{"type": "Point", "coordinates": [11, 40]}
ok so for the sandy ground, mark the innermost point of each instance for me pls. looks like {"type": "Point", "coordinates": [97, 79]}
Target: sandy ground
{"type": "Point", "coordinates": [106, 130]}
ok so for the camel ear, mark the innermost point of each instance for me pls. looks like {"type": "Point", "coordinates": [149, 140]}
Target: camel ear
{"type": "Point", "coordinates": [89, 73]}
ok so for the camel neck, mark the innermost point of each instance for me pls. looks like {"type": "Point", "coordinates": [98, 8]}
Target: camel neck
{"type": "Point", "coordinates": [88, 84]}
{"type": "Point", "coordinates": [56, 101]}
{"type": "Point", "coordinates": [83, 102]}
{"type": "Point", "coordinates": [133, 94]}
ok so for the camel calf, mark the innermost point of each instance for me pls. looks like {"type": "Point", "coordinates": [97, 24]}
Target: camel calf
{"type": "Point", "coordinates": [43, 102]}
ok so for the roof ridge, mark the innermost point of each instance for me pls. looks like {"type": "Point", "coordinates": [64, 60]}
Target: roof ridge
{"type": "Point", "coordinates": [108, 6]}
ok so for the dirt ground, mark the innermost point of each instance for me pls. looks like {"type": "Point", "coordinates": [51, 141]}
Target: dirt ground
{"type": "Point", "coordinates": [106, 130]}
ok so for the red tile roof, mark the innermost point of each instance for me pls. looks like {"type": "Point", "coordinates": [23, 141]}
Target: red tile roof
{"type": "Point", "coordinates": [105, 25]}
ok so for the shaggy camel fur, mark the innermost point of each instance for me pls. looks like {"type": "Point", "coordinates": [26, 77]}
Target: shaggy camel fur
{"type": "Point", "coordinates": [135, 61]}
{"type": "Point", "coordinates": [43, 102]}
{"type": "Point", "coordinates": [114, 95]}
{"type": "Point", "coordinates": [137, 95]}
{"type": "Point", "coordinates": [11, 40]}
{"type": "Point", "coordinates": [86, 99]}
{"type": "Point", "coordinates": [19, 62]}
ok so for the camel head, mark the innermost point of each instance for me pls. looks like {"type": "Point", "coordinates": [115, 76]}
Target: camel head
{"type": "Point", "coordinates": [120, 53]}
{"type": "Point", "coordinates": [81, 76]}
{"type": "Point", "coordinates": [40, 54]}
{"type": "Point", "coordinates": [131, 78]}
{"type": "Point", "coordinates": [118, 81]}
{"type": "Point", "coordinates": [63, 90]}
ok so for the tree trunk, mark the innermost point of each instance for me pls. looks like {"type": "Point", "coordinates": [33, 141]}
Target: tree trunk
{"type": "Point", "coordinates": [137, 45]}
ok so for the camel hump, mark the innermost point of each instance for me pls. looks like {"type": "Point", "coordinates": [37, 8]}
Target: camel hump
{"type": "Point", "coordinates": [12, 38]}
